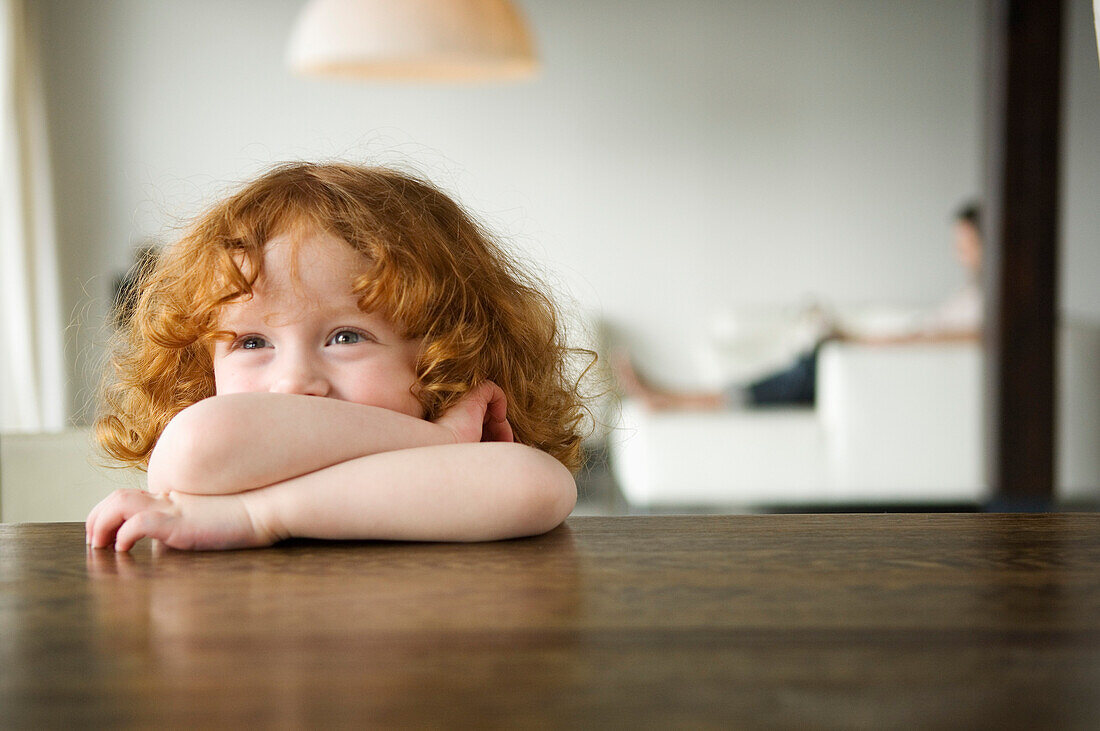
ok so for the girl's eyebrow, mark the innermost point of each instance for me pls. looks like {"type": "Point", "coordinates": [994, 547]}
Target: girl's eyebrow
{"type": "Point", "coordinates": [243, 316]}
{"type": "Point", "coordinates": [230, 316]}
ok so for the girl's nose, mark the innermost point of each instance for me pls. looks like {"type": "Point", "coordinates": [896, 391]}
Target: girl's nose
{"type": "Point", "coordinates": [302, 379]}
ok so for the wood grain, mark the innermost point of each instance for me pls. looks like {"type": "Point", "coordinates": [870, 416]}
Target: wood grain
{"type": "Point", "coordinates": [934, 621]}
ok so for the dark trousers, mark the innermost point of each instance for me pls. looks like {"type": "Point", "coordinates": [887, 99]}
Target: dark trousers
{"type": "Point", "coordinates": [792, 386]}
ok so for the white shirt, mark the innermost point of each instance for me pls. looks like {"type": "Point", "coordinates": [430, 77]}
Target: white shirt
{"type": "Point", "coordinates": [961, 312]}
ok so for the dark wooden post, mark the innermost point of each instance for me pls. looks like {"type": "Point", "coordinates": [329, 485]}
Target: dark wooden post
{"type": "Point", "coordinates": [1024, 71]}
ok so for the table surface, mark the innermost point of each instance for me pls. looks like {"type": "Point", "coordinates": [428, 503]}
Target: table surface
{"type": "Point", "coordinates": [941, 621]}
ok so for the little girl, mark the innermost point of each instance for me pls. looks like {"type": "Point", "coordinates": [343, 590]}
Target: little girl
{"type": "Point", "coordinates": [338, 352]}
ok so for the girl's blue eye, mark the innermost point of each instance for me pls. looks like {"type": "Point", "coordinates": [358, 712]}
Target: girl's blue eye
{"type": "Point", "coordinates": [252, 342]}
{"type": "Point", "coordinates": [346, 337]}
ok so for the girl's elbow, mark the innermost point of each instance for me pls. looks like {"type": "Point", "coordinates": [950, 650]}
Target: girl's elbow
{"type": "Point", "coordinates": [186, 450]}
{"type": "Point", "coordinates": [565, 495]}
{"type": "Point", "coordinates": [553, 494]}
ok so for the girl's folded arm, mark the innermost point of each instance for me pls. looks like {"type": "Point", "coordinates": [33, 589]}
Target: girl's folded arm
{"type": "Point", "coordinates": [458, 492]}
{"type": "Point", "coordinates": [239, 442]}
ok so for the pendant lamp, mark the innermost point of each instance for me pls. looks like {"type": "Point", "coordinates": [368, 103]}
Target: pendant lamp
{"type": "Point", "coordinates": [426, 40]}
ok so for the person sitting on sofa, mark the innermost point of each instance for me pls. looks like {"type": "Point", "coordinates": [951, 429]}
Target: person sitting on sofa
{"type": "Point", "coordinates": [956, 319]}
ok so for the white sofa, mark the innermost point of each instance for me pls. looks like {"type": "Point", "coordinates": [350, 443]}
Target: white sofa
{"type": "Point", "coordinates": [893, 425]}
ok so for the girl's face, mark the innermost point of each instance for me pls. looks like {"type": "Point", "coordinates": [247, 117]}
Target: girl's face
{"type": "Point", "coordinates": [305, 334]}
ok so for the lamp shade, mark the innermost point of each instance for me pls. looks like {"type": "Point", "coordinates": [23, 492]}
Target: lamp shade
{"type": "Point", "coordinates": [441, 40]}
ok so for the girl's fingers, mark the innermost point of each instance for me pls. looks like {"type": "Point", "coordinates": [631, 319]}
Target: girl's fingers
{"type": "Point", "coordinates": [497, 431]}
{"type": "Point", "coordinates": [100, 507]}
{"type": "Point", "coordinates": [497, 407]}
{"type": "Point", "coordinates": [105, 519]}
{"type": "Point", "coordinates": [146, 524]}
{"type": "Point", "coordinates": [89, 524]}
{"type": "Point", "coordinates": [481, 415]}
{"type": "Point", "coordinates": [112, 512]}
{"type": "Point", "coordinates": [495, 426]}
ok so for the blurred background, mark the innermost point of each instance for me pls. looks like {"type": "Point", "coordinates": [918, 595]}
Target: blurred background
{"type": "Point", "coordinates": [669, 164]}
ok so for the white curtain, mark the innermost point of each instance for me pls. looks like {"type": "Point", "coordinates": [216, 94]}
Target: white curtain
{"type": "Point", "coordinates": [31, 347]}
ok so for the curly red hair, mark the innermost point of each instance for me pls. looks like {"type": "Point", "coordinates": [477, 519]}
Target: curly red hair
{"type": "Point", "coordinates": [432, 269]}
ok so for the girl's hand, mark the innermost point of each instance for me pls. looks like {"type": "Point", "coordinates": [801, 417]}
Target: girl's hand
{"type": "Point", "coordinates": [481, 416]}
{"type": "Point", "coordinates": [179, 520]}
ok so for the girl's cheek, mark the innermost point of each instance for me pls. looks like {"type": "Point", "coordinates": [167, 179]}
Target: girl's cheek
{"type": "Point", "coordinates": [228, 380]}
{"type": "Point", "coordinates": [242, 385]}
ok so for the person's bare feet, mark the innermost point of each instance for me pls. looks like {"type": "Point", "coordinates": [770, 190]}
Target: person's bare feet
{"type": "Point", "coordinates": [626, 376]}
{"type": "Point", "coordinates": [634, 386]}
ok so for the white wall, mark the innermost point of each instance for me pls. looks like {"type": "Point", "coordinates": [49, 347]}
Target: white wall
{"type": "Point", "coordinates": [674, 157]}
{"type": "Point", "coordinates": [1080, 220]}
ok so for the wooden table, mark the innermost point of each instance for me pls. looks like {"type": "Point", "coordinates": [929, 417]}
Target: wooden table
{"type": "Point", "coordinates": [932, 621]}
